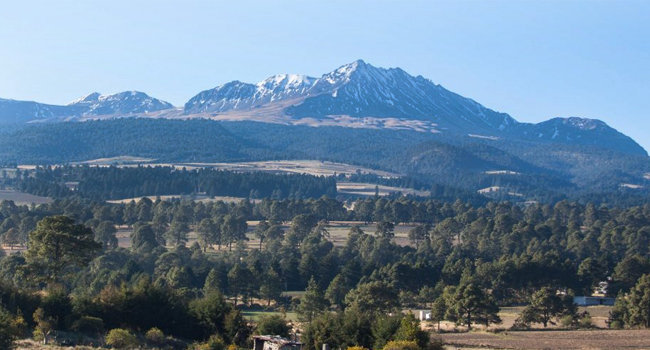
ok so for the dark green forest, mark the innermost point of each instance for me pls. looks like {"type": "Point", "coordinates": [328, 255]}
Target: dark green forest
{"type": "Point", "coordinates": [464, 262]}
{"type": "Point", "coordinates": [104, 183]}
{"type": "Point", "coordinates": [547, 172]}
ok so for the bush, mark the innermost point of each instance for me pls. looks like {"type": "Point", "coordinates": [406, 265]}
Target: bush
{"type": "Point", "coordinates": [273, 325]}
{"type": "Point", "coordinates": [568, 321]}
{"type": "Point", "coordinates": [616, 324]}
{"type": "Point", "coordinates": [436, 344]}
{"type": "Point", "coordinates": [214, 343]}
{"type": "Point", "coordinates": [7, 331]}
{"type": "Point", "coordinates": [356, 348]}
{"type": "Point", "coordinates": [121, 339]}
{"type": "Point", "coordinates": [155, 336]}
{"type": "Point", "coordinates": [89, 325]}
{"type": "Point", "coordinates": [585, 321]}
{"type": "Point", "coordinates": [401, 345]}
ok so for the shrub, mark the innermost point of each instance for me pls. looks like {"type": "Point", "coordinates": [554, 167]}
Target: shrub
{"type": "Point", "coordinates": [121, 339]}
{"type": "Point", "coordinates": [356, 348]}
{"type": "Point", "coordinates": [89, 325]}
{"type": "Point", "coordinates": [585, 321]}
{"type": "Point", "coordinates": [214, 343]}
{"type": "Point", "coordinates": [155, 336]}
{"type": "Point", "coordinates": [7, 331]}
{"type": "Point", "coordinates": [401, 345]}
{"type": "Point", "coordinates": [616, 324]}
{"type": "Point", "coordinates": [436, 344]}
{"type": "Point", "coordinates": [568, 321]}
{"type": "Point", "coordinates": [273, 325]}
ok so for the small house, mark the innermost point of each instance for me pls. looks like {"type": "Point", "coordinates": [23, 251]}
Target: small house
{"type": "Point", "coordinates": [424, 315]}
{"type": "Point", "coordinates": [268, 342]}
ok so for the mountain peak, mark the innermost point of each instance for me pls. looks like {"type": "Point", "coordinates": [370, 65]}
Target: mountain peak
{"type": "Point", "coordinates": [581, 131]}
{"type": "Point", "coordinates": [583, 123]}
{"type": "Point", "coordinates": [90, 98]}
{"type": "Point", "coordinates": [291, 80]}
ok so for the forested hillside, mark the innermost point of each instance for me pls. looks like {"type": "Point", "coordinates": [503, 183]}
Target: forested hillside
{"type": "Point", "coordinates": [117, 183]}
{"type": "Point", "coordinates": [538, 171]}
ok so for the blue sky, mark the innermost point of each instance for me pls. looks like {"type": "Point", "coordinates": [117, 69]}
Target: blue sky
{"type": "Point", "coordinates": [531, 59]}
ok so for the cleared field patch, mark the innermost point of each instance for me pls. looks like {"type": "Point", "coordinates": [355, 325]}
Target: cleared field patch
{"type": "Point", "coordinates": [311, 167]}
{"type": "Point", "coordinates": [508, 314]}
{"type": "Point", "coordinates": [8, 173]}
{"type": "Point", "coordinates": [257, 315]}
{"type": "Point", "coordinates": [197, 198]}
{"type": "Point", "coordinates": [338, 234]}
{"type": "Point", "coordinates": [368, 189]}
{"type": "Point", "coordinates": [495, 189]}
{"type": "Point", "coordinates": [551, 339]}
{"type": "Point", "coordinates": [21, 198]}
{"type": "Point", "coordinates": [501, 172]}
{"type": "Point", "coordinates": [631, 186]}
{"type": "Point", "coordinates": [116, 160]}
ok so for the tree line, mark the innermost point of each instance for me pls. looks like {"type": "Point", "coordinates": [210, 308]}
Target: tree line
{"type": "Point", "coordinates": [463, 262]}
{"type": "Point", "coordinates": [104, 183]}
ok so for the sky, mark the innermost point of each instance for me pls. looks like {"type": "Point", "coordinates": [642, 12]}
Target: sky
{"type": "Point", "coordinates": [532, 59]}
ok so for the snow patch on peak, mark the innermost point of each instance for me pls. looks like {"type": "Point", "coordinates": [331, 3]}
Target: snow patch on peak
{"type": "Point", "coordinates": [125, 102]}
{"type": "Point", "coordinates": [92, 97]}
{"type": "Point", "coordinates": [578, 123]}
{"type": "Point", "coordinates": [286, 80]}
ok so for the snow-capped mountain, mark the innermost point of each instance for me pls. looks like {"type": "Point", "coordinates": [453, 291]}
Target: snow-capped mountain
{"type": "Point", "coordinates": [236, 95]}
{"type": "Point", "coordinates": [126, 102]}
{"type": "Point", "coordinates": [357, 89]}
{"type": "Point", "coordinates": [360, 89]}
{"type": "Point", "coordinates": [355, 95]}
{"type": "Point", "coordinates": [361, 95]}
{"type": "Point", "coordinates": [120, 104]}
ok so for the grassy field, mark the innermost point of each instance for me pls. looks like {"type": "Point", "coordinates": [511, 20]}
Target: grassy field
{"type": "Point", "coordinates": [196, 198]}
{"type": "Point", "coordinates": [338, 234]}
{"type": "Point", "coordinates": [312, 167]}
{"type": "Point", "coordinates": [599, 315]}
{"type": "Point", "coordinates": [256, 315]}
{"type": "Point", "coordinates": [21, 198]}
{"type": "Point", "coordinates": [368, 189]}
{"type": "Point", "coordinates": [551, 340]}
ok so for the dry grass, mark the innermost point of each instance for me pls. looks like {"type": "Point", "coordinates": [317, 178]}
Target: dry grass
{"type": "Point", "coordinates": [338, 234]}
{"type": "Point", "coordinates": [311, 167]}
{"type": "Point", "coordinates": [196, 198]}
{"type": "Point", "coordinates": [368, 189]}
{"type": "Point", "coordinates": [116, 161]}
{"type": "Point", "coordinates": [21, 198]}
{"type": "Point", "coordinates": [552, 339]}
{"type": "Point", "coordinates": [34, 345]}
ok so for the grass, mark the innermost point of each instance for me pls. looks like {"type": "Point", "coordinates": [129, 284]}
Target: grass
{"type": "Point", "coordinates": [21, 198]}
{"type": "Point", "coordinates": [551, 339]}
{"type": "Point", "coordinates": [257, 315]}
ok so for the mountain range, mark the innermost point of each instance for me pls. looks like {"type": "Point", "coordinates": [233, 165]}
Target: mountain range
{"type": "Point", "coordinates": [356, 97]}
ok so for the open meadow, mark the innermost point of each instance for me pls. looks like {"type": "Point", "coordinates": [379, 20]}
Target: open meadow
{"type": "Point", "coordinates": [338, 234]}
{"type": "Point", "coordinates": [21, 198]}
{"type": "Point", "coordinates": [604, 339]}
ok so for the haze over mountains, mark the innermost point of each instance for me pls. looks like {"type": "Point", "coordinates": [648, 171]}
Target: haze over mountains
{"type": "Point", "coordinates": [414, 127]}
